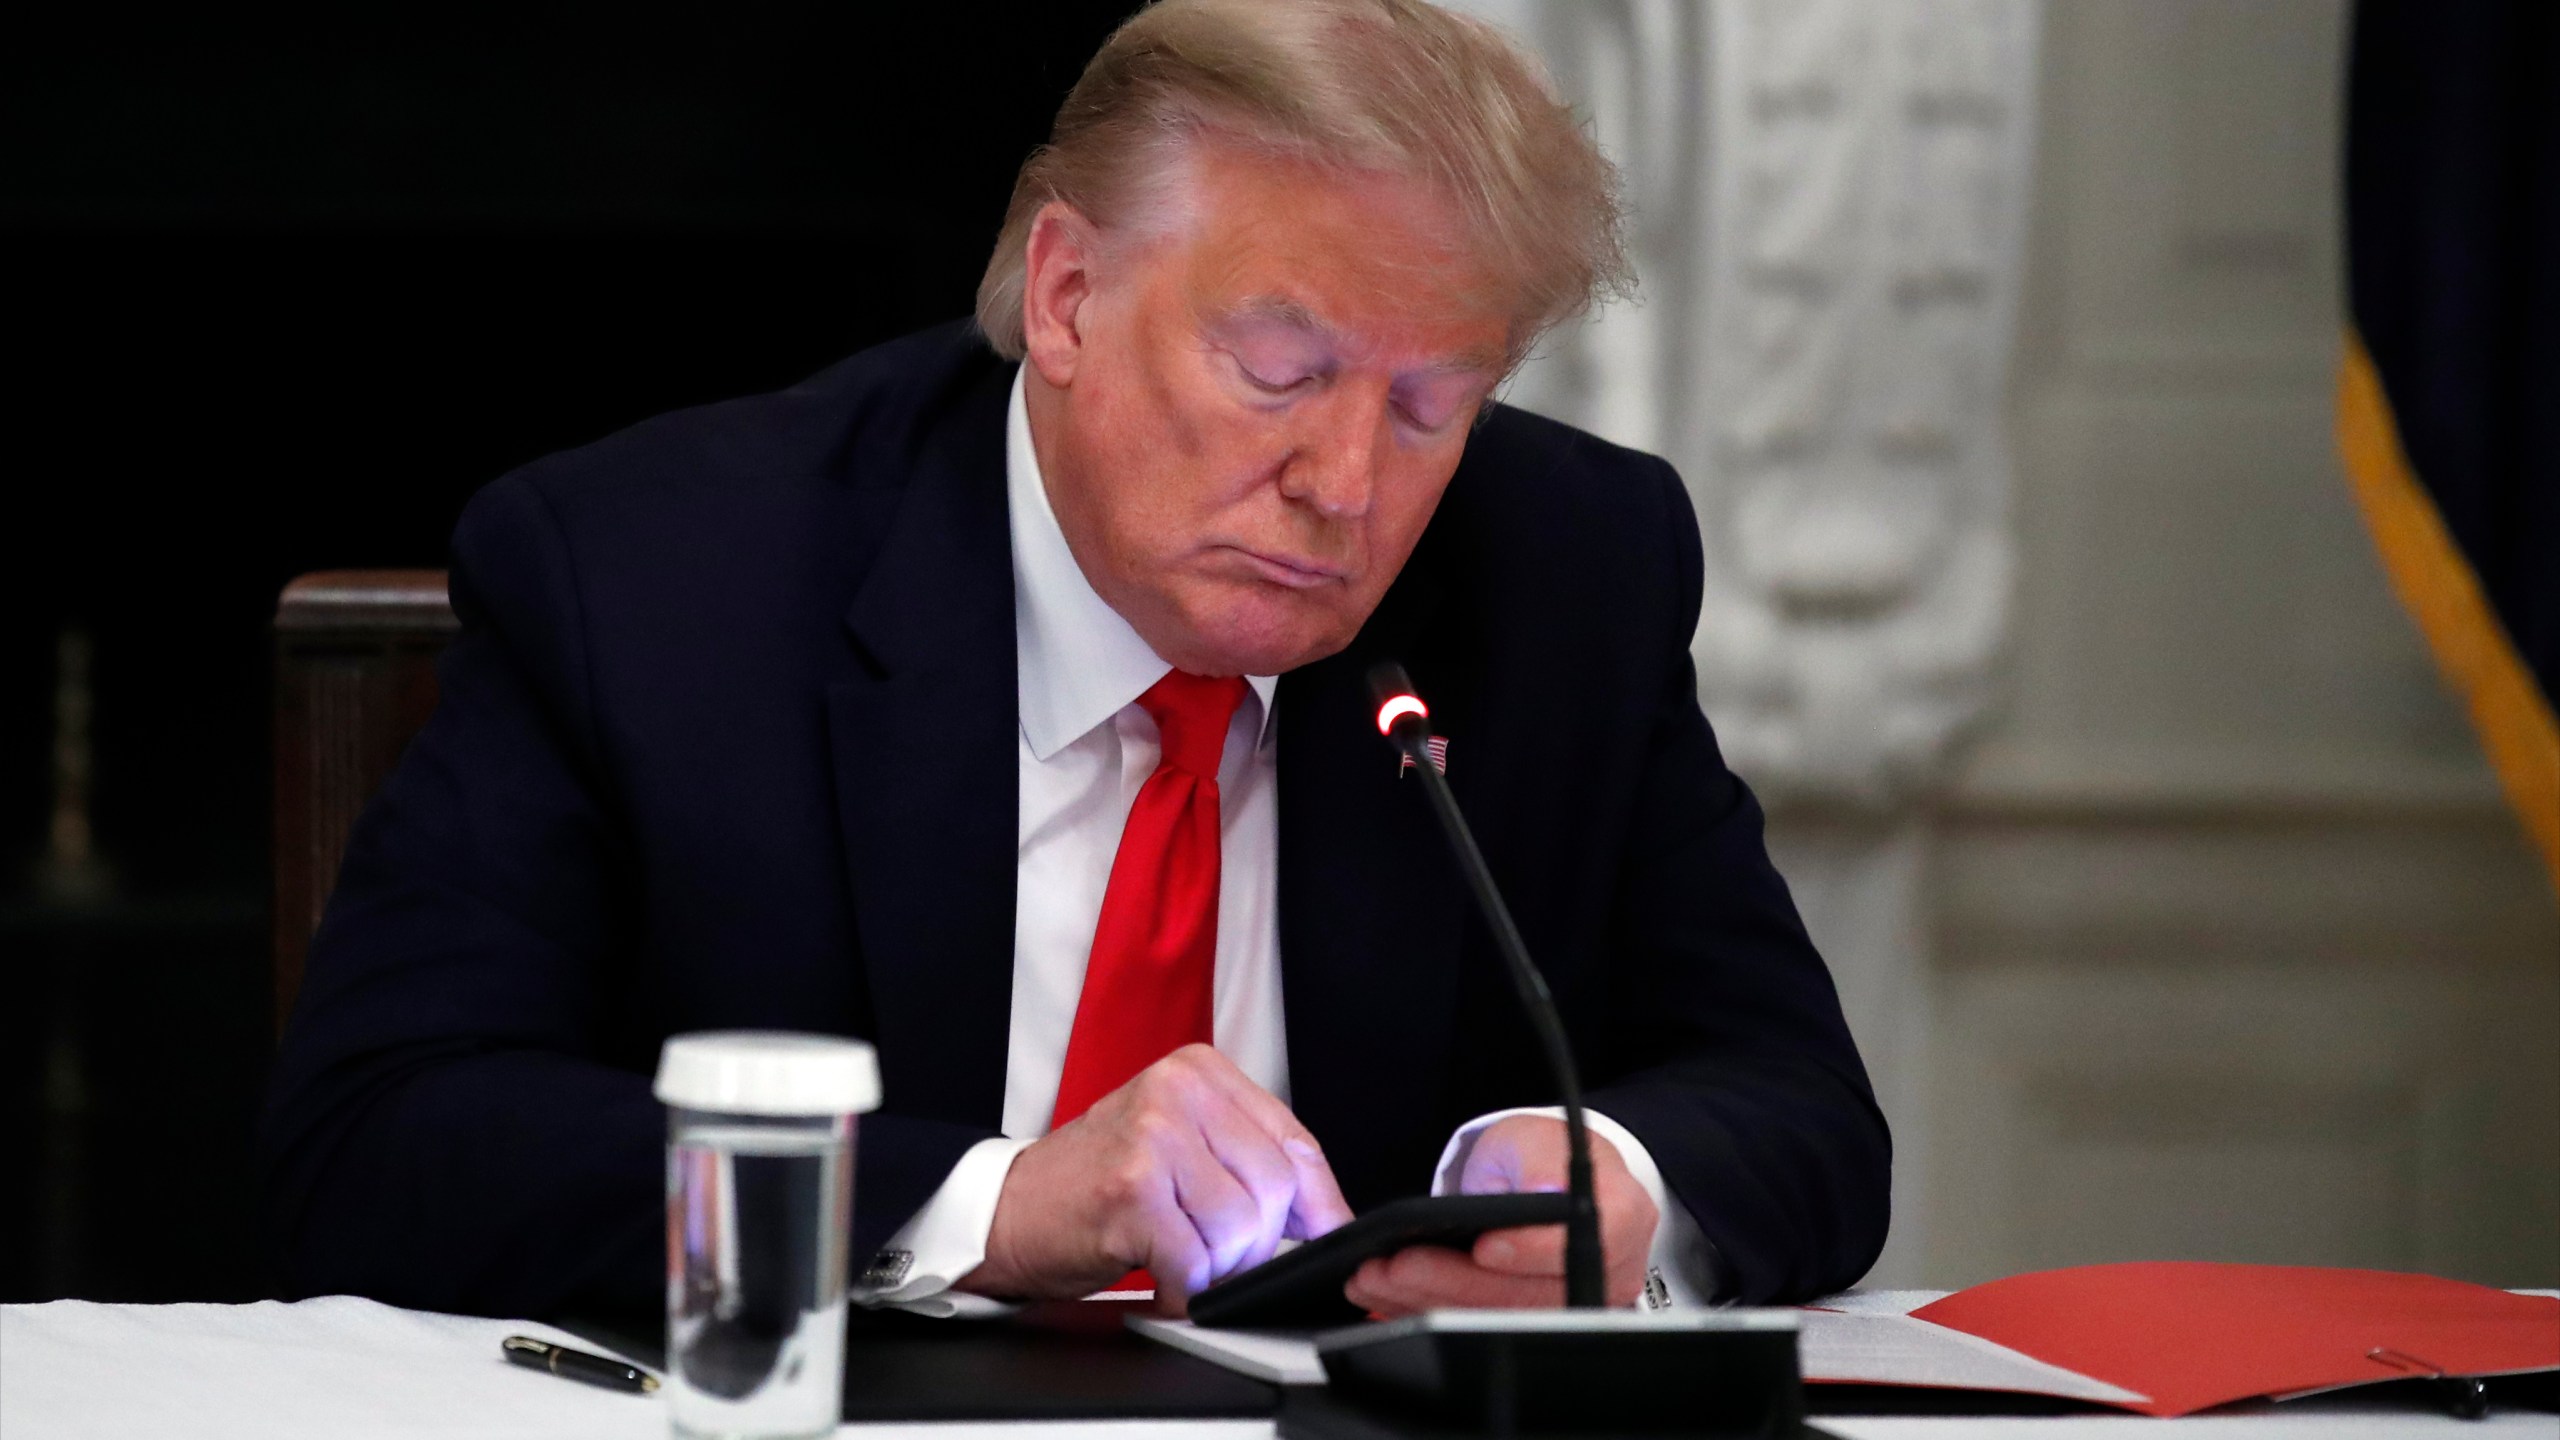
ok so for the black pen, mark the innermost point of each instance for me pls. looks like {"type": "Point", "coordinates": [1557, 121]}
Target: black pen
{"type": "Point", "coordinates": [571, 1364]}
{"type": "Point", "coordinates": [2465, 1397]}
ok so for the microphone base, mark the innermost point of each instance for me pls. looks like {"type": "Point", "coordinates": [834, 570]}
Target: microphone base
{"type": "Point", "coordinates": [1585, 1374]}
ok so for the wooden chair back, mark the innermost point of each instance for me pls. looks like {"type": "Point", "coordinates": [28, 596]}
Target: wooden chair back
{"type": "Point", "coordinates": [355, 657]}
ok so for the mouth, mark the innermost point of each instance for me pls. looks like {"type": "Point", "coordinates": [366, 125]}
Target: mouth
{"type": "Point", "coordinates": [1294, 572]}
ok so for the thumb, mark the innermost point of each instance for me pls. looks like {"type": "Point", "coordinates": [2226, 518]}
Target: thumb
{"type": "Point", "coordinates": [1508, 1158]}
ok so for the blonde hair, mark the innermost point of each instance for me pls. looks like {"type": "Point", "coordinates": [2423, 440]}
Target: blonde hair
{"type": "Point", "coordinates": [1389, 86]}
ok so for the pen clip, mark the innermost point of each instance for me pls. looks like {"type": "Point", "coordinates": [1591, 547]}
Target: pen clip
{"type": "Point", "coordinates": [2466, 1397]}
{"type": "Point", "coordinates": [543, 1350]}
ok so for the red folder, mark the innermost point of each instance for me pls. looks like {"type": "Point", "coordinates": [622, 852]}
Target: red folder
{"type": "Point", "coordinates": [2192, 1335]}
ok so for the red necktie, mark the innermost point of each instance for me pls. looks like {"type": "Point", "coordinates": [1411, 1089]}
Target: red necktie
{"type": "Point", "coordinates": [1151, 978]}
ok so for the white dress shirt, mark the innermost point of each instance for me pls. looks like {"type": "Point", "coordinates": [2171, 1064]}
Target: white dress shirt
{"type": "Point", "coordinates": [1085, 747]}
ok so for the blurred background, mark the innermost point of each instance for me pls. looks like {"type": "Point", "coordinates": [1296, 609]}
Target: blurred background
{"type": "Point", "coordinates": [2173, 902]}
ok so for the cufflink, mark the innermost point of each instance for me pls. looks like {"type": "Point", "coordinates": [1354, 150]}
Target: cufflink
{"type": "Point", "coordinates": [1438, 745]}
{"type": "Point", "coordinates": [887, 1270]}
{"type": "Point", "coordinates": [1657, 1291]}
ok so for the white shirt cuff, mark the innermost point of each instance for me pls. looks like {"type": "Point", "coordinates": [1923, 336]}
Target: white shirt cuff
{"type": "Point", "coordinates": [1680, 1271]}
{"type": "Point", "coordinates": [943, 1241]}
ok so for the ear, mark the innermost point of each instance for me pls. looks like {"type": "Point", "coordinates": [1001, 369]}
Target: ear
{"type": "Point", "coordinates": [1057, 280]}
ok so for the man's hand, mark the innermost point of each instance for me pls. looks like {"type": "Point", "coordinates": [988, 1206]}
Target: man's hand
{"type": "Point", "coordinates": [1190, 1170]}
{"type": "Point", "coordinates": [1520, 1268]}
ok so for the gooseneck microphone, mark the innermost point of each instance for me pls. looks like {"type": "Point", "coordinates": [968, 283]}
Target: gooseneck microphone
{"type": "Point", "coordinates": [1406, 722]}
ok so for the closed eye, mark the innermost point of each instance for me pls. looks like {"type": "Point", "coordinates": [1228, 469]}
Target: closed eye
{"type": "Point", "coordinates": [1418, 422]}
{"type": "Point", "coordinates": [1431, 408]}
{"type": "Point", "coordinates": [1268, 385]}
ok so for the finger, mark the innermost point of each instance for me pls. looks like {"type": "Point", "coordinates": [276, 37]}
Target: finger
{"type": "Point", "coordinates": [1212, 1070]}
{"type": "Point", "coordinates": [1317, 1206]}
{"type": "Point", "coordinates": [1627, 1221]}
{"type": "Point", "coordinates": [1361, 1290]}
{"type": "Point", "coordinates": [1172, 1106]}
{"type": "Point", "coordinates": [1540, 1249]}
{"type": "Point", "coordinates": [1238, 1089]}
{"type": "Point", "coordinates": [1176, 1254]}
{"type": "Point", "coordinates": [1266, 1172]}
{"type": "Point", "coordinates": [1426, 1277]}
{"type": "Point", "coordinates": [1521, 1250]}
{"type": "Point", "coordinates": [1145, 1226]}
{"type": "Point", "coordinates": [1496, 1164]}
{"type": "Point", "coordinates": [1222, 1210]}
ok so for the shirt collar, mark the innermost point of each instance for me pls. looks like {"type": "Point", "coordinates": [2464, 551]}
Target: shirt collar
{"type": "Point", "coordinates": [1077, 663]}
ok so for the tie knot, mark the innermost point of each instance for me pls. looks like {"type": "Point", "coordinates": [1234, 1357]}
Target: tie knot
{"type": "Point", "coordinates": [1191, 713]}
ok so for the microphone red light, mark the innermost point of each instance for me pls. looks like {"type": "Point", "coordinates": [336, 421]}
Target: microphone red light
{"type": "Point", "coordinates": [1397, 707]}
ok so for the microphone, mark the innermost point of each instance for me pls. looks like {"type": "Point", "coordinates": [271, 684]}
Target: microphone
{"type": "Point", "coordinates": [1406, 722]}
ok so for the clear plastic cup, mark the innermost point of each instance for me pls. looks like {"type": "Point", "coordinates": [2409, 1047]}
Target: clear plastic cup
{"type": "Point", "coordinates": [760, 1136]}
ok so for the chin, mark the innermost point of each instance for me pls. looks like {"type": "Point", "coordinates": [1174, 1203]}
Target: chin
{"type": "Point", "coordinates": [1220, 656]}
{"type": "Point", "coordinates": [1261, 639]}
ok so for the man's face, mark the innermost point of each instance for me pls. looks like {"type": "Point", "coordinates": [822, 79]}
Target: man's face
{"type": "Point", "coordinates": [1246, 423]}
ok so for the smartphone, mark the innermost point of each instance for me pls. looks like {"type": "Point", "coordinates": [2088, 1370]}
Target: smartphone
{"type": "Point", "coordinates": [1302, 1288]}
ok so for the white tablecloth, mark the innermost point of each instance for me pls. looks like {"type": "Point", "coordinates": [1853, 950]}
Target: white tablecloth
{"type": "Point", "coordinates": [347, 1369]}
{"type": "Point", "coordinates": [337, 1366]}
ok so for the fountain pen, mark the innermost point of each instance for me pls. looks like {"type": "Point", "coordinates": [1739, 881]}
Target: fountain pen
{"type": "Point", "coordinates": [571, 1364]}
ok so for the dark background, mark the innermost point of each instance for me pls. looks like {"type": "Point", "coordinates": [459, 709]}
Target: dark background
{"type": "Point", "coordinates": [280, 303]}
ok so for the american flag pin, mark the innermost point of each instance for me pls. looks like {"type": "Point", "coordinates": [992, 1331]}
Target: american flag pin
{"type": "Point", "coordinates": [1438, 745]}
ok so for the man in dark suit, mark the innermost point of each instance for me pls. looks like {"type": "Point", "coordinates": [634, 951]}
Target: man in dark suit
{"type": "Point", "coordinates": [1011, 716]}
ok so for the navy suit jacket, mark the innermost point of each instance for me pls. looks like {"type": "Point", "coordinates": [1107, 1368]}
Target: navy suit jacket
{"type": "Point", "coordinates": [727, 739]}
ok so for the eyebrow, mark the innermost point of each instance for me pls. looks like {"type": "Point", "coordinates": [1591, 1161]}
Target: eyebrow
{"type": "Point", "coordinates": [1280, 309]}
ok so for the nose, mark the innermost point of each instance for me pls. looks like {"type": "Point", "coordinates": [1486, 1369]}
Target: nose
{"type": "Point", "coordinates": [1333, 468]}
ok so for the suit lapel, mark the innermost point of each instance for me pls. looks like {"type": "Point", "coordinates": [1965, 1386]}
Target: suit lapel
{"type": "Point", "coordinates": [924, 750]}
{"type": "Point", "coordinates": [1371, 909]}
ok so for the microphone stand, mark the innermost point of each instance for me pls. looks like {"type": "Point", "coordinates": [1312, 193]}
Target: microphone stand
{"type": "Point", "coordinates": [1408, 728]}
{"type": "Point", "coordinates": [1582, 1373]}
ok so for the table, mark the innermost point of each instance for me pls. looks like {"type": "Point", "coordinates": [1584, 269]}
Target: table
{"type": "Point", "coordinates": [350, 1369]}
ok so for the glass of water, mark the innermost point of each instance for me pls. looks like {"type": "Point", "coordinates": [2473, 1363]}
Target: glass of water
{"type": "Point", "coordinates": [760, 1136]}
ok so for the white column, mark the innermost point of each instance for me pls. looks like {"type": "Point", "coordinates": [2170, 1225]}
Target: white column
{"type": "Point", "coordinates": [1862, 883]}
{"type": "Point", "coordinates": [1828, 211]}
